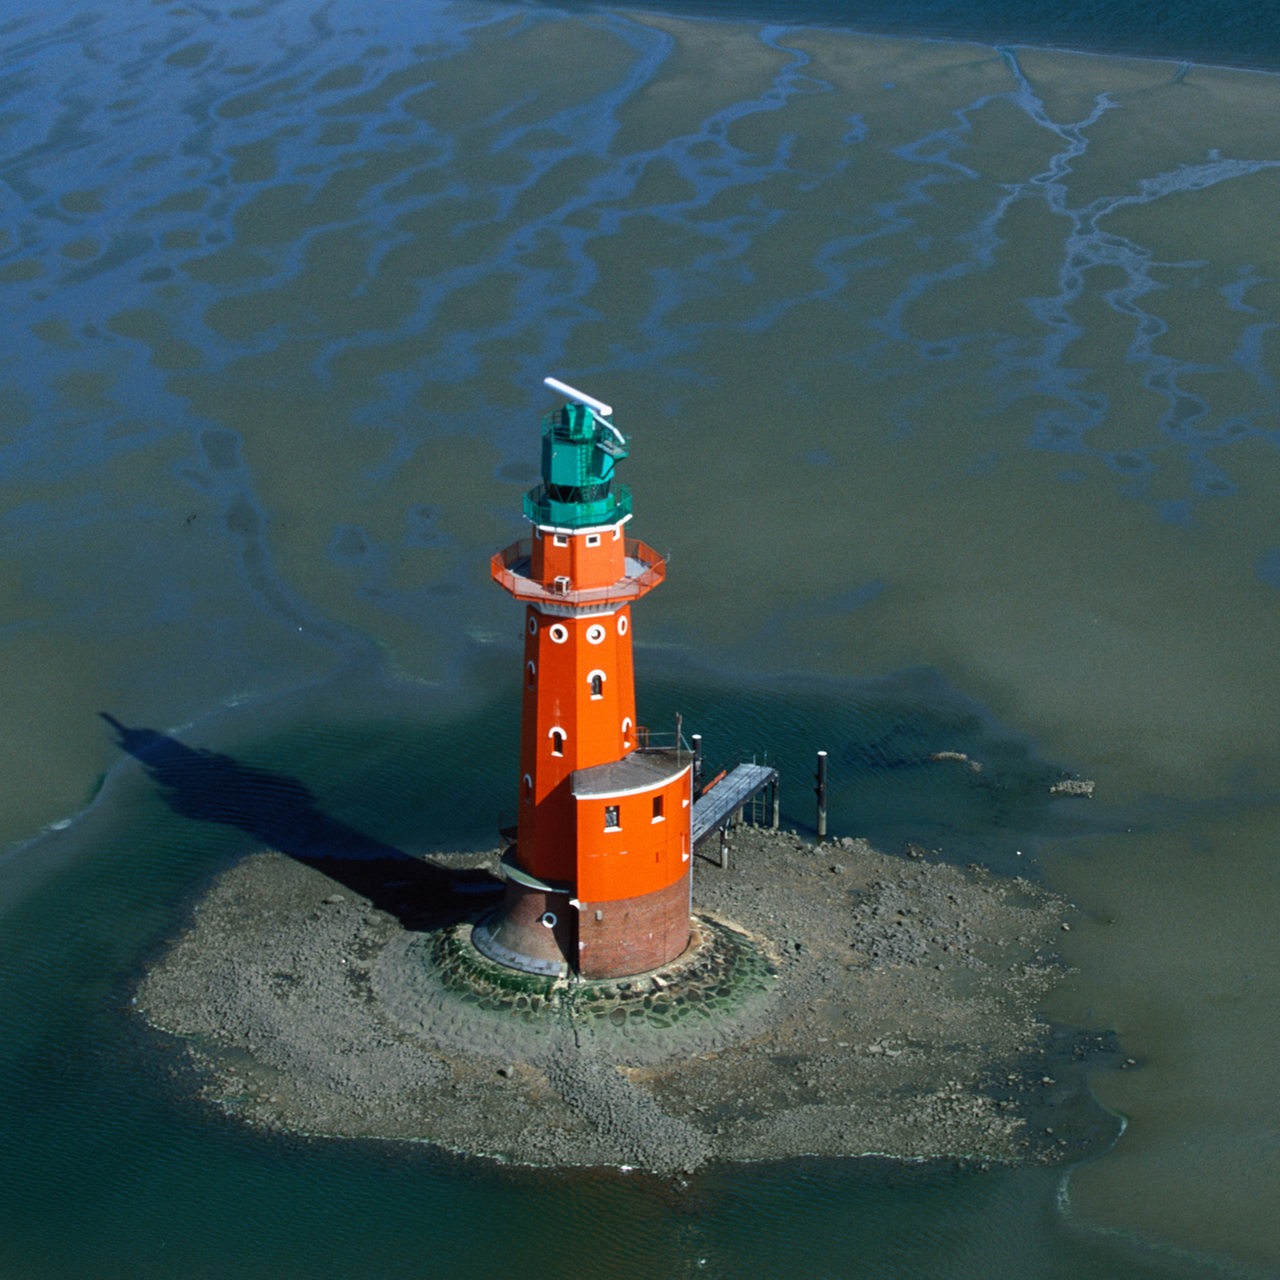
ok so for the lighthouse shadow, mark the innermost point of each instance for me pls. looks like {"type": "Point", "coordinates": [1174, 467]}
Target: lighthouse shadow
{"type": "Point", "coordinates": [282, 814]}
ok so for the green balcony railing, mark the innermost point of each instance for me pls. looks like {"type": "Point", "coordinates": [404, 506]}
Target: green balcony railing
{"type": "Point", "coordinates": [543, 509]}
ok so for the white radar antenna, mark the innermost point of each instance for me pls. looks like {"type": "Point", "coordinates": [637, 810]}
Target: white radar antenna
{"type": "Point", "coordinates": [601, 410]}
{"type": "Point", "coordinates": [596, 406]}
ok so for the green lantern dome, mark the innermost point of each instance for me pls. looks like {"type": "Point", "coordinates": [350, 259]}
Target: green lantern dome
{"type": "Point", "coordinates": [580, 450]}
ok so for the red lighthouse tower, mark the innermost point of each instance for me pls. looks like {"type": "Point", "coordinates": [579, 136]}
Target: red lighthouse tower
{"type": "Point", "coordinates": [598, 882]}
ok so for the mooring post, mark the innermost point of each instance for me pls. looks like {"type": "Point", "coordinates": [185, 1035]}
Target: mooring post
{"type": "Point", "coordinates": [696, 739]}
{"type": "Point", "coordinates": [821, 792]}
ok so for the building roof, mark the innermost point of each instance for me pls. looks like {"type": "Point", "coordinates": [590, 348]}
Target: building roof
{"type": "Point", "coordinates": [640, 771]}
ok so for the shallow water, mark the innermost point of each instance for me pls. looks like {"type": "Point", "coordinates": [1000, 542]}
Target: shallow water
{"type": "Point", "coordinates": [951, 375]}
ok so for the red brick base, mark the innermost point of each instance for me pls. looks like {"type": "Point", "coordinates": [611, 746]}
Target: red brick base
{"type": "Point", "coordinates": [533, 930]}
{"type": "Point", "coordinates": [632, 935]}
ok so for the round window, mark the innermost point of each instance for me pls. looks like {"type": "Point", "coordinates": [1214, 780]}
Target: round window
{"type": "Point", "coordinates": [595, 633]}
{"type": "Point", "coordinates": [622, 624]}
{"type": "Point", "coordinates": [533, 625]}
{"type": "Point", "coordinates": [549, 919]}
{"type": "Point", "coordinates": [558, 633]}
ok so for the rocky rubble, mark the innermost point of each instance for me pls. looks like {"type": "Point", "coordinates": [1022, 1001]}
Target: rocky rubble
{"type": "Point", "coordinates": [901, 1019]}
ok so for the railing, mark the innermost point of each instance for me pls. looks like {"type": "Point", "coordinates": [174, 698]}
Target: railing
{"type": "Point", "coordinates": [727, 794]}
{"type": "Point", "coordinates": [541, 508]}
{"type": "Point", "coordinates": [510, 570]}
{"type": "Point", "coordinates": [663, 740]}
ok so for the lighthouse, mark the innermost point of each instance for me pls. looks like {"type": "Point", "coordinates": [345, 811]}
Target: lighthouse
{"type": "Point", "coordinates": [598, 880]}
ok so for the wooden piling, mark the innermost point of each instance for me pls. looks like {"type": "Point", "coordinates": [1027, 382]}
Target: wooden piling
{"type": "Point", "coordinates": [821, 791]}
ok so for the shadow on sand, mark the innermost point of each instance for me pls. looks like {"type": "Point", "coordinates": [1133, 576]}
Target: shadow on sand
{"type": "Point", "coordinates": [282, 814]}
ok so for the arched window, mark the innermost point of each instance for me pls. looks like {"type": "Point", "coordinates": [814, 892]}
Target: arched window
{"type": "Point", "coordinates": [531, 671]}
{"type": "Point", "coordinates": [596, 681]}
{"type": "Point", "coordinates": [557, 742]}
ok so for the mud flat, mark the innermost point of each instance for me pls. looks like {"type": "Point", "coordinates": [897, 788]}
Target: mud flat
{"type": "Point", "coordinates": [839, 1001]}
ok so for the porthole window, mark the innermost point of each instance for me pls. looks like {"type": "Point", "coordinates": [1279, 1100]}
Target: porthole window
{"type": "Point", "coordinates": [559, 633]}
{"type": "Point", "coordinates": [548, 919]}
{"type": "Point", "coordinates": [595, 633]}
{"type": "Point", "coordinates": [533, 625]}
{"type": "Point", "coordinates": [622, 624]}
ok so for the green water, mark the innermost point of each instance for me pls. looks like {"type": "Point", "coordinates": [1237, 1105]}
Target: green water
{"type": "Point", "coordinates": [951, 379]}
{"type": "Point", "coordinates": [149, 1183]}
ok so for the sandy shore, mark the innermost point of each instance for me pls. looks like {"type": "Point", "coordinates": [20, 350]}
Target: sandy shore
{"type": "Point", "coordinates": [880, 1004]}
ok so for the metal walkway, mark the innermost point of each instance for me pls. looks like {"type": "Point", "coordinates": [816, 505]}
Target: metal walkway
{"type": "Point", "coordinates": [737, 788]}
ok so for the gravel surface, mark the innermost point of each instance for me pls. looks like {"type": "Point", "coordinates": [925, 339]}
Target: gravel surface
{"type": "Point", "coordinates": [892, 1009]}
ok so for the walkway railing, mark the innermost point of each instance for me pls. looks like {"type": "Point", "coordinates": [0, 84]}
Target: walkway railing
{"type": "Point", "coordinates": [730, 793]}
{"type": "Point", "coordinates": [510, 570]}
